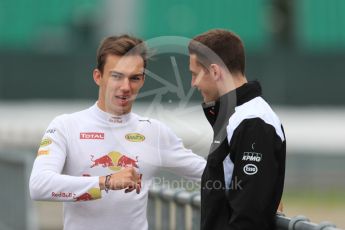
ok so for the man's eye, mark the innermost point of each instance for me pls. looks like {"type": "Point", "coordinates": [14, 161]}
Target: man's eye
{"type": "Point", "coordinates": [116, 76]}
{"type": "Point", "coordinates": [135, 78]}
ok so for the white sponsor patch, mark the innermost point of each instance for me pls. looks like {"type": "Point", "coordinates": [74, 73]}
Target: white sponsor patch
{"type": "Point", "coordinates": [250, 169]}
{"type": "Point", "coordinates": [252, 156]}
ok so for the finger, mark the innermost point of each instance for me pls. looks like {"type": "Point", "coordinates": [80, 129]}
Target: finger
{"type": "Point", "coordinates": [135, 175]}
{"type": "Point", "coordinates": [138, 188]}
{"type": "Point", "coordinates": [130, 189]}
{"type": "Point", "coordinates": [139, 184]}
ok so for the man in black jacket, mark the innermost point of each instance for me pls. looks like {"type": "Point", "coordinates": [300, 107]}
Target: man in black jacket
{"type": "Point", "coordinates": [243, 181]}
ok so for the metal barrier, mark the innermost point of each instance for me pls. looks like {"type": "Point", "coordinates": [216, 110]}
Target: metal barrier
{"type": "Point", "coordinates": [17, 211]}
{"type": "Point", "coordinates": [178, 209]}
{"type": "Point", "coordinates": [167, 208]}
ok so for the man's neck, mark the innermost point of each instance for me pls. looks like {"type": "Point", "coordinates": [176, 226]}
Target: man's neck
{"type": "Point", "coordinates": [229, 83]}
{"type": "Point", "coordinates": [101, 106]}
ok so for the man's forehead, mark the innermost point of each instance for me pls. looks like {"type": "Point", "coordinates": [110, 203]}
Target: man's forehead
{"type": "Point", "coordinates": [192, 59]}
{"type": "Point", "coordinates": [193, 62]}
{"type": "Point", "coordinates": [121, 60]}
{"type": "Point", "coordinates": [126, 72]}
{"type": "Point", "coordinates": [125, 64]}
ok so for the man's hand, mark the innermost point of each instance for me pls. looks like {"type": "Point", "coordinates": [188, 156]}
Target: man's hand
{"type": "Point", "coordinates": [127, 179]}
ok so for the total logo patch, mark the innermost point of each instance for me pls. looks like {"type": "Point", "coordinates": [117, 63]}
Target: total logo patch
{"type": "Point", "coordinates": [252, 156]}
{"type": "Point", "coordinates": [45, 142]}
{"type": "Point", "coordinates": [92, 135]}
{"type": "Point", "coordinates": [250, 169]}
{"type": "Point", "coordinates": [135, 137]}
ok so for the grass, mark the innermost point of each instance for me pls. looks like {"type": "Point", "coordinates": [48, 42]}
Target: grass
{"type": "Point", "coordinates": [317, 205]}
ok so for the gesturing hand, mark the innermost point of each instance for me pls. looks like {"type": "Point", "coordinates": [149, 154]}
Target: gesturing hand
{"type": "Point", "coordinates": [127, 179]}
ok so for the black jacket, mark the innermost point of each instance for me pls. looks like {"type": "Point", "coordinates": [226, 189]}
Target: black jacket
{"type": "Point", "coordinates": [243, 181]}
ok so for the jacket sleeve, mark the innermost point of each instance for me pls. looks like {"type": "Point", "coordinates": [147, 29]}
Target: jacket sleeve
{"type": "Point", "coordinates": [176, 158]}
{"type": "Point", "coordinates": [252, 195]}
{"type": "Point", "coordinates": [47, 181]}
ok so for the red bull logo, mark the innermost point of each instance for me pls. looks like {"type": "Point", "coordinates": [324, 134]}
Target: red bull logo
{"type": "Point", "coordinates": [125, 162]}
{"type": "Point", "coordinates": [114, 161]}
{"type": "Point", "coordinates": [84, 197]}
{"type": "Point", "coordinates": [104, 161]}
{"type": "Point", "coordinates": [91, 194]}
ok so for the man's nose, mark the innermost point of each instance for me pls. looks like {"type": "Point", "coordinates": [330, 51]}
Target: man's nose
{"type": "Point", "coordinates": [194, 82]}
{"type": "Point", "coordinates": [125, 85]}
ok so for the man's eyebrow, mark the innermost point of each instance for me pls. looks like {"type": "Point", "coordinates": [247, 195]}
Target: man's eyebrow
{"type": "Point", "coordinates": [115, 72]}
{"type": "Point", "coordinates": [138, 74]}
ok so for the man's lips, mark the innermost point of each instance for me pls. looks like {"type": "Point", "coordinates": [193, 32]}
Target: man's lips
{"type": "Point", "coordinates": [124, 99]}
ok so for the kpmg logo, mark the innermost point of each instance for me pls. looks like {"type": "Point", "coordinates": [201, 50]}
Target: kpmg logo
{"type": "Point", "coordinates": [252, 156]}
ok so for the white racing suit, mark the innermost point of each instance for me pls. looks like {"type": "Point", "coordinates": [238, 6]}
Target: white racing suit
{"type": "Point", "coordinates": [78, 148]}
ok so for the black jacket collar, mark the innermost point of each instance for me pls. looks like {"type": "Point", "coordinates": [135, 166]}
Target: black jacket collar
{"type": "Point", "coordinates": [230, 100]}
{"type": "Point", "coordinates": [247, 92]}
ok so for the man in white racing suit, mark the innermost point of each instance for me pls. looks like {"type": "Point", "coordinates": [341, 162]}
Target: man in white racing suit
{"type": "Point", "coordinates": [101, 161]}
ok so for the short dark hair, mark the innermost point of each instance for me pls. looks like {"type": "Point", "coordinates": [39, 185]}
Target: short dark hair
{"type": "Point", "coordinates": [225, 44]}
{"type": "Point", "coordinates": [120, 45]}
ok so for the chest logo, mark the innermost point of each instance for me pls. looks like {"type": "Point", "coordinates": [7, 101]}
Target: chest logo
{"type": "Point", "coordinates": [252, 156]}
{"type": "Point", "coordinates": [250, 169]}
{"type": "Point", "coordinates": [92, 135]}
{"type": "Point", "coordinates": [135, 137]}
{"type": "Point", "coordinates": [114, 161]}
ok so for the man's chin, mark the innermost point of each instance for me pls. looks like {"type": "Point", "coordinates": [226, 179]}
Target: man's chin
{"type": "Point", "coordinates": [207, 100]}
{"type": "Point", "coordinates": [118, 109]}
{"type": "Point", "coordinates": [124, 109]}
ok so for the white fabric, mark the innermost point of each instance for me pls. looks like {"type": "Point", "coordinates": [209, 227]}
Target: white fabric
{"type": "Point", "coordinates": [255, 108]}
{"type": "Point", "coordinates": [228, 167]}
{"type": "Point", "coordinates": [64, 157]}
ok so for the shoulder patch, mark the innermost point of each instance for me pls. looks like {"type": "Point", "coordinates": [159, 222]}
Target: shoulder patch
{"type": "Point", "coordinates": [45, 142]}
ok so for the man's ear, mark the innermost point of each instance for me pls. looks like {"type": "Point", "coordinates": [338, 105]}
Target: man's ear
{"type": "Point", "coordinates": [215, 71]}
{"type": "Point", "coordinates": [97, 75]}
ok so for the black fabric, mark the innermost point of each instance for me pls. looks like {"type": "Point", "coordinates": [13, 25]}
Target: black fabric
{"type": "Point", "coordinates": [251, 205]}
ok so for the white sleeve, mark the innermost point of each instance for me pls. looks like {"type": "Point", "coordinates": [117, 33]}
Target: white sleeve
{"type": "Point", "coordinates": [176, 158]}
{"type": "Point", "coordinates": [46, 180]}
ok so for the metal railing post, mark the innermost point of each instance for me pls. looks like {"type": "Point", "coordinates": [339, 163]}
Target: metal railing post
{"type": "Point", "coordinates": [154, 208]}
{"type": "Point", "coordinates": [183, 210]}
{"type": "Point", "coordinates": [195, 201]}
{"type": "Point", "coordinates": [169, 208]}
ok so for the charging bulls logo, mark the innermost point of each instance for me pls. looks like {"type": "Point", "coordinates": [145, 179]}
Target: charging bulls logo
{"type": "Point", "coordinates": [91, 194]}
{"type": "Point", "coordinates": [114, 161]}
